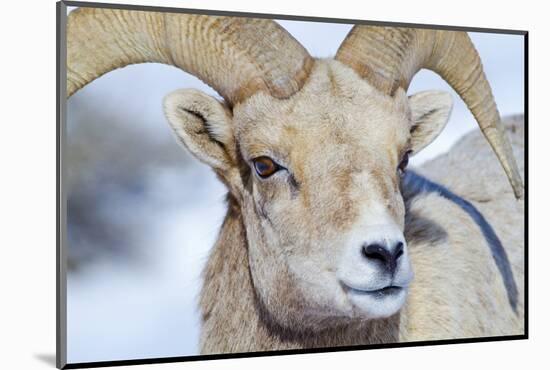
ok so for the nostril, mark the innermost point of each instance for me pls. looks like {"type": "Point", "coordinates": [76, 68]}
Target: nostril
{"type": "Point", "coordinates": [377, 252]}
{"type": "Point", "coordinates": [398, 251]}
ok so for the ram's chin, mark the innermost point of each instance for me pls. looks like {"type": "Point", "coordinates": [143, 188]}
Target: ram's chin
{"type": "Point", "coordinates": [377, 304]}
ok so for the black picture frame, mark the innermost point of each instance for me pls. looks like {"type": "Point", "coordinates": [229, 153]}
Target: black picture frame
{"type": "Point", "coordinates": [61, 216]}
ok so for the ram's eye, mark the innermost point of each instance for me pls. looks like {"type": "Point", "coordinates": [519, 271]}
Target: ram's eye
{"type": "Point", "coordinates": [265, 166]}
{"type": "Point", "coordinates": [404, 162]}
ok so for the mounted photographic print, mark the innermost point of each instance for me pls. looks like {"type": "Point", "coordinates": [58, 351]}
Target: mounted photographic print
{"type": "Point", "coordinates": [235, 184]}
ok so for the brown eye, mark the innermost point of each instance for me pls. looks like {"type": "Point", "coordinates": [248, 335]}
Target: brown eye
{"type": "Point", "coordinates": [265, 166]}
{"type": "Point", "coordinates": [404, 162]}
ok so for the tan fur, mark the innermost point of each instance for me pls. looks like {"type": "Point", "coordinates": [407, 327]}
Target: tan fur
{"type": "Point", "coordinates": [271, 280]}
{"type": "Point", "coordinates": [481, 307]}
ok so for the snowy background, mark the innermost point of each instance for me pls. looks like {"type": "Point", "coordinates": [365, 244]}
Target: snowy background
{"type": "Point", "coordinates": [143, 214]}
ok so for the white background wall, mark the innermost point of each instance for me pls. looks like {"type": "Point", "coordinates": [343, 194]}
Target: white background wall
{"type": "Point", "coordinates": [28, 161]}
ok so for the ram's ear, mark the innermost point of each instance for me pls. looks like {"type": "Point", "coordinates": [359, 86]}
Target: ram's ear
{"type": "Point", "coordinates": [203, 125]}
{"type": "Point", "coordinates": [430, 112]}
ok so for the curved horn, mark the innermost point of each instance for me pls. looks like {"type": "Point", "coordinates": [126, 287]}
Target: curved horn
{"type": "Point", "coordinates": [389, 57]}
{"type": "Point", "coordinates": [235, 56]}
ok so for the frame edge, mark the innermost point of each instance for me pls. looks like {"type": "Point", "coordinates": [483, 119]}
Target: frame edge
{"type": "Point", "coordinates": [61, 265]}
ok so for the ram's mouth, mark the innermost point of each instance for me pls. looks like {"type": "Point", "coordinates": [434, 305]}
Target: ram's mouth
{"type": "Point", "coordinates": [388, 291]}
{"type": "Point", "coordinates": [376, 303]}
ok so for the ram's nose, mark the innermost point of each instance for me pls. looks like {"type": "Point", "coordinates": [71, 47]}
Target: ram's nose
{"type": "Point", "coordinates": [385, 254]}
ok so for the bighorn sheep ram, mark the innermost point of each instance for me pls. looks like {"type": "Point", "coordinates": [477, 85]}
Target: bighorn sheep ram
{"type": "Point", "coordinates": [324, 224]}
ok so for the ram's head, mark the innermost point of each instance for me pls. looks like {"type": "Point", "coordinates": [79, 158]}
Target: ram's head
{"type": "Point", "coordinates": [311, 150]}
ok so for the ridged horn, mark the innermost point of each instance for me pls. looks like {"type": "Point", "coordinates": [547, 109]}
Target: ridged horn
{"type": "Point", "coordinates": [235, 56]}
{"type": "Point", "coordinates": [389, 57]}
